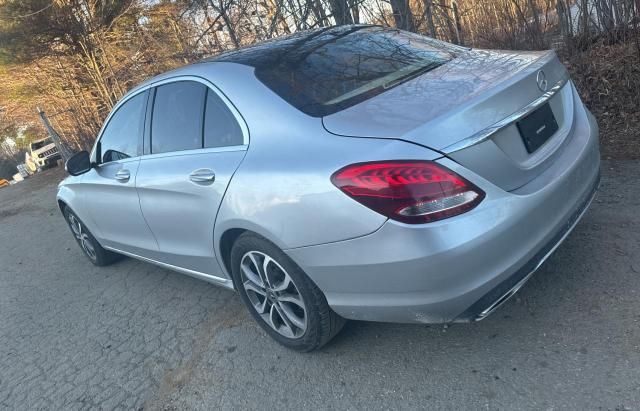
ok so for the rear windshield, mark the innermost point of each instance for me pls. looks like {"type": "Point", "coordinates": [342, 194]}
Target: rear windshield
{"type": "Point", "coordinates": [328, 71]}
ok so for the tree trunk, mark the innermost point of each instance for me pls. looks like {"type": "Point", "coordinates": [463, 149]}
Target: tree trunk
{"type": "Point", "coordinates": [428, 16]}
{"type": "Point", "coordinates": [222, 11]}
{"type": "Point", "coordinates": [458, 25]}
{"type": "Point", "coordinates": [355, 11]}
{"type": "Point", "coordinates": [636, 16]}
{"type": "Point", "coordinates": [537, 29]}
{"type": "Point", "coordinates": [562, 17]}
{"type": "Point", "coordinates": [402, 15]}
{"type": "Point", "coordinates": [584, 6]}
{"type": "Point", "coordinates": [444, 9]}
{"type": "Point", "coordinates": [230, 29]}
{"type": "Point", "coordinates": [319, 13]}
{"type": "Point", "coordinates": [340, 11]}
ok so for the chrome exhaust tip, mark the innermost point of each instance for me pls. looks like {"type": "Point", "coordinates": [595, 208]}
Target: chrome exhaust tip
{"type": "Point", "coordinates": [502, 299]}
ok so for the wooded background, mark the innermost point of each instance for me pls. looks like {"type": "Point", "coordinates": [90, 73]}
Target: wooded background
{"type": "Point", "coordinates": [76, 58]}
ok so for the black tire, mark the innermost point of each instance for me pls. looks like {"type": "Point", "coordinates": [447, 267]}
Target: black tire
{"type": "Point", "coordinates": [322, 324]}
{"type": "Point", "coordinates": [99, 256]}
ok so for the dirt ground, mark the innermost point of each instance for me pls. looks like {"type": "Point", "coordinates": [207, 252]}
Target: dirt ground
{"type": "Point", "coordinates": [134, 336]}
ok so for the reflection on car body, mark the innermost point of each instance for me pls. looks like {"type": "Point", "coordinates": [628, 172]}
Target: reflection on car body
{"type": "Point", "coordinates": [352, 172]}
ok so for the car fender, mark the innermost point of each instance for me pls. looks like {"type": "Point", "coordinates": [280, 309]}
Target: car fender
{"type": "Point", "coordinates": [70, 197]}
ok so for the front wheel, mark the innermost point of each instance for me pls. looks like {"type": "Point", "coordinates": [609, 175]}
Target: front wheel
{"type": "Point", "coordinates": [280, 296]}
{"type": "Point", "coordinates": [89, 245]}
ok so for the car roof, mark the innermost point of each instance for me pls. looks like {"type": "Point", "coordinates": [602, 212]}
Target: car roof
{"type": "Point", "coordinates": [292, 47]}
{"type": "Point", "coordinates": [289, 47]}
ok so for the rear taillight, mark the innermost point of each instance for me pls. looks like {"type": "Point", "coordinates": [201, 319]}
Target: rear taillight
{"type": "Point", "coordinates": [413, 192]}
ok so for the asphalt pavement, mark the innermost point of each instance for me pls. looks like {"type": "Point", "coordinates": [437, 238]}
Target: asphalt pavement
{"type": "Point", "coordinates": [132, 335]}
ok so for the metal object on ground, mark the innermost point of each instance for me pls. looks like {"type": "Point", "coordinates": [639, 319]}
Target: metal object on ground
{"type": "Point", "coordinates": [63, 149]}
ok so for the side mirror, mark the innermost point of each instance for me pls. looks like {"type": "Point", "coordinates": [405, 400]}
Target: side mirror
{"type": "Point", "coordinates": [78, 164]}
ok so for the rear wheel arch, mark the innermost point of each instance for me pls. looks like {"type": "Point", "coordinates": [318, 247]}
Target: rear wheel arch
{"type": "Point", "coordinates": [227, 240]}
{"type": "Point", "coordinates": [231, 230]}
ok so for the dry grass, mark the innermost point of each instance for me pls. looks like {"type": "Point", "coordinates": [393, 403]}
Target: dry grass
{"type": "Point", "coordinates": [608, 79]}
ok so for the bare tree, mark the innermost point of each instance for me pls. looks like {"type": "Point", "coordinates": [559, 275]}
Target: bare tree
{"type": "Point", "coordinates": [428, 16]}
{"type": "Point", "coordinates": [402, 15]}
{"type": "Point", "coordinates": [341, 12]}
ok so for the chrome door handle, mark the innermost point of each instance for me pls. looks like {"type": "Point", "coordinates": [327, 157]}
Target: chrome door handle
{"type": "Point", "coordinates": [202, 175]}
{"type": "Point", "coordinates": [122, 175]}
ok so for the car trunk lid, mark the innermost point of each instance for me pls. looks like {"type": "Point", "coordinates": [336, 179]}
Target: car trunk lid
{"type": "Point", "coordinates": [468, 110]}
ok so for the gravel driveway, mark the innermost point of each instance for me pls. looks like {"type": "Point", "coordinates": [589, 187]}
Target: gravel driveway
{"type": "Point", "coordinates": [133, 335]}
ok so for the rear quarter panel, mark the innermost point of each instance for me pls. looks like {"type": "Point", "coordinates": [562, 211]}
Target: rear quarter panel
{"type": "Point", "coordinates": [283, 190]}
{"type": "Point", "coordinates": [286, 194]}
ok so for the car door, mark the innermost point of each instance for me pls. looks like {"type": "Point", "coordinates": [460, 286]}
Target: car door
{"type": "Point", "coordinates": [109, 188]}
{"type": "Point", "coordinates": [196, 141]}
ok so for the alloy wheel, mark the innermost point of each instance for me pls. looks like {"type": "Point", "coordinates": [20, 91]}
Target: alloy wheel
{"type": "Point", "coordinates": [82, 237]}
{"type": "Point", "coordinates": [273, 294]}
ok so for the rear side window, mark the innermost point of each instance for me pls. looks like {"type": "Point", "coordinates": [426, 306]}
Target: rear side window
{"type": "Point", "coordinates": [121, 138]}
{"type": "Point", "coordinates": [176, 123]}
{"type": "Point", "coordinates": [220, 126]}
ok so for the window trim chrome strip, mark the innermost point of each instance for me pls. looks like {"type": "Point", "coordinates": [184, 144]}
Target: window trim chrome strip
{"type": "Point", "coordinates": [486, 133]}
{"type": "Point", "coordinates": [182, 77]}
{"type": "Point", "coordinates": [223, 149]}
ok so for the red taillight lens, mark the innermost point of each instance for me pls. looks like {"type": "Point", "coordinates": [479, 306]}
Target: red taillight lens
{"type": "Point", "coordinates": [413, 192]}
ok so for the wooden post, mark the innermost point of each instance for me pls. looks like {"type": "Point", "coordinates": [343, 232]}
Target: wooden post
{"type": "Point", "coordinates": [64, 151]}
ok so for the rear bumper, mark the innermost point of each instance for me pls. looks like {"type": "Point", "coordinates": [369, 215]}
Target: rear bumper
{"type": "Point", "coordinates": [456, 269]}
{"type": "Point", "coordinates": [482, 308]}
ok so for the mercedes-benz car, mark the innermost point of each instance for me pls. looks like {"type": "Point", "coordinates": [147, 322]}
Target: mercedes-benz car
{"type": "Point", "coordinates": [354, 172]}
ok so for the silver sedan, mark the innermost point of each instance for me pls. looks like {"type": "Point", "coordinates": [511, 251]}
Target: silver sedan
{"type": "Point", "coordinates": [354, 172]}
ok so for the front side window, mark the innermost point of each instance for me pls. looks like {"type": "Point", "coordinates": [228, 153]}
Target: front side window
{"type": "Point", "coordinates": [176, 123]}
{"type": "Point", "coordinates": [221, 129]}
{"type": "Point", "coordinates": [122, 136]}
